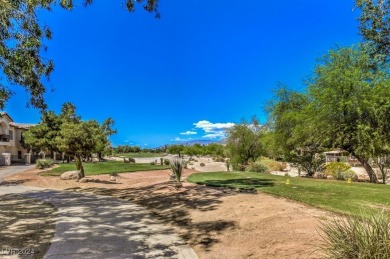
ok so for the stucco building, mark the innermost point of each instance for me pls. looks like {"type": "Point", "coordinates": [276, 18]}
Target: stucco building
{"type": "Point", "coordinates": [11, 150]}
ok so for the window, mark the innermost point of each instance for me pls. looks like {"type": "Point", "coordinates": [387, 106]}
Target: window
{"type": "Point", "coordinates": [11, 135]}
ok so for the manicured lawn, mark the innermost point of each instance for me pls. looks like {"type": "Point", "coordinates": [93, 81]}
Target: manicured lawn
{"type": "Point", "coordinates": [336, 196]}
{"type": "Point", "coordinates": [140, 155]}
{"type": "Point", "coordinates": [103, 168]}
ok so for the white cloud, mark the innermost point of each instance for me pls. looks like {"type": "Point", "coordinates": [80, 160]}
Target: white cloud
{"type": "Point", "coordinates": [213, 130]}
{"type": "Point", "coordinates": [212, 127]}
{"type": "Point", "coordinates": [177, 139]}
{"type": "Point", "coordinates": [189, 133]}
{"type": "Point", "coordinates": [215, 135]}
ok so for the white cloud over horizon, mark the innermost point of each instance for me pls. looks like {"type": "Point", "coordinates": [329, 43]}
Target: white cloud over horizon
{"type": "Point", "coordinates": [189, 132]}
{"type": "Point", "coordinates": [177, 139]}
{"type": "Point", "coordinates": [213, 130]}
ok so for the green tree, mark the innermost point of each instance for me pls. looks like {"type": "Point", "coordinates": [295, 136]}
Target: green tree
{"type": "Point", "coordinates": [375, 26]}
{"type": "Point", "coordinates": [176, 149]}
{"type": "Point", "coordinates": [78, 140]}
{"type": "Point", "coordinates": [22, 47]}
{"type": "Point", "coordinates": [345, 106]}
{"type": "Point", "coordinates": [43, 136]}
{"type": "Point", "coordinates": [345, 102]}
{"type": "Point", "coordinates": [243, 143]}
{"type": "Point", "coordinates": [103, 132]}
{"type": "Point", "coordinates": [290, 131]}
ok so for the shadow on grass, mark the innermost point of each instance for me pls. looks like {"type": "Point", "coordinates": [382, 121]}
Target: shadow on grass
{"type": "Point", "coordinates": [242, 183]}
{"type": "Point", "coordinates": [175, 206]}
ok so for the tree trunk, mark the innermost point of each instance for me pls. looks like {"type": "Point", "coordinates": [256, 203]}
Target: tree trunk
{"type": "Point", "coordinates": [368, 167]}
{"type": "Point", "coordinates": [79, 165]}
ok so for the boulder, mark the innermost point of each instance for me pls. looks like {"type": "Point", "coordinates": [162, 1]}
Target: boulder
{"type": "Point", "coordinates": [71, 175]}
{"type": "Point", "coordinates": [88, 180]}
{"type": "Point", "coordinates": [84, 180]}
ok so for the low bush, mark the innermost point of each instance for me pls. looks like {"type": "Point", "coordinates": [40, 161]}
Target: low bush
{"type": "Point", "coordinates": [219, 159]}
{"type": "Point", "coordinates": [202, 164]}
{"type": "Point", "coordinates": [272, 165]}
{"type": "Point", "coordinates": [129, 160]}
{"type": "Point", "coordinates": [166, 162]}
{"type": "Point", "coordinates": [177, 166]}
{"type": "Point", "coordinates": [152, 163]}
{"type": "Point", "coordinates": [356, 236]}
{"type": "Point", "coordinates": [257, 167]}
{"type": "Point", "coordinates": [44, 163]}
{"type": "Point", "coordinates": [340, 171]}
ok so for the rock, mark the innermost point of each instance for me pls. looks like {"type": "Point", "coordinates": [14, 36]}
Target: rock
{"type": "Point", "coordinates": [88, 180]}
{"type": "Point", "coordinates": [319, 175]}
{"type": "Point", "coordinates": [71, 175]}
{"type": "Point", "coordinates": [329, 177]}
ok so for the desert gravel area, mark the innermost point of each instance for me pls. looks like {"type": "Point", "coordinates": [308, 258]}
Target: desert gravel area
{"type": "Point", "coordinates": [217, 223]}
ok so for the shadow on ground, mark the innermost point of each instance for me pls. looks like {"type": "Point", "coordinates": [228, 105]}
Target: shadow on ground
{"type": "Point", "coordinates": [90, 226]}
{"type": "Point", "coordinates": [26, 223]}
{"type": "Point", "coordinates": [173, 206]}
{"type": "Point", "coordinates": [242, 183]}
{"type": "Point", "coordinates": [13, 182]}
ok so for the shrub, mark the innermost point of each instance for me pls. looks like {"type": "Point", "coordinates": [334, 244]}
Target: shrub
{"type": "Point", "coordinates": [114, 174]}
{"type": "Point", "coordinates": [228, 165]}
{"type": "Point", "coordinates": [357, 237]}
{"type": "Point", "coordinates": [219, 159]}
{"type": "Point", "coordinates": [202, 164]}
{"type": "Point", "coordinates": [166, 162]}
{"type": "Point", "coordinates": [152, 163]}
{"type": "Point", "coordinates": [44, 163]}
{"type": "Point", "coordinates": [161, 161]}
{"type": "Point", "coordinates": [340, 171]}
{"type": "Point", "coordinates": [129, 160]}
{"type": "Point", "coordinates": [273, 165]}
{"type": "Point", "coordinates": [177, 165]}
{"type": "Point", "coordinates": [257, 167]}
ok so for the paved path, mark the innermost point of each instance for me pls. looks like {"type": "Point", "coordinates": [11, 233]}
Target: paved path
{"type": "Point", "coordinates": [9, 170]}
{"type": "Point", "coordinates": [94, 226]}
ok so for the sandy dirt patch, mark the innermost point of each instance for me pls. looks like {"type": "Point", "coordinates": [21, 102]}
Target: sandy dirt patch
{"type": "Point", "coordinates": [217, 223]}
{"type": "Point", "coordinates": [26, 224]}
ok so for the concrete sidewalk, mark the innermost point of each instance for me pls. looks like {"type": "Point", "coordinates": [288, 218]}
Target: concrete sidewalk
{"type": "Point", "coordinates": [94, 226]}
{"type": "Point", "coordinates": [14, 169]}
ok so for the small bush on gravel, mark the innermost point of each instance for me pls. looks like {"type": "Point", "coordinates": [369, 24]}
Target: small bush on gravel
{"type": "Point", "coordinates": [44, 163]}
{"type": "Point", "coordinates": [219, 159]}
{"type": "Point", "coordinates": [257, 167]}
{"type": "Point", "coordinates": [357, 237]}
{"type": "Point", "coordinates": [177, 166]}
{"type": "Point", "coordinates": [166, 162]}
{"type": "Point", "coordinates": [129, 160]}
{"type": "Point", "coordinates": [340, 171]}
{"type": "Point", "coordinates": [272, 165]}
{"type": "Point", "coordinates": [202, 164]}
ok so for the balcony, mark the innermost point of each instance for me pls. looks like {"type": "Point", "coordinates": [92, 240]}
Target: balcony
{"type": "Point", "coordinates": [4, 138]}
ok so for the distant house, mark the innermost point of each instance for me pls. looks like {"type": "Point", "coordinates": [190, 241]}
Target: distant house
{"type": "Point", "coordinates": [340, 156]}
{"type": "Point", "coordinates": [11, 150]}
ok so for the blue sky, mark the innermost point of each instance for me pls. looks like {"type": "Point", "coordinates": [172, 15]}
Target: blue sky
{"type": "Point", "coordinates": [203, 65]}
